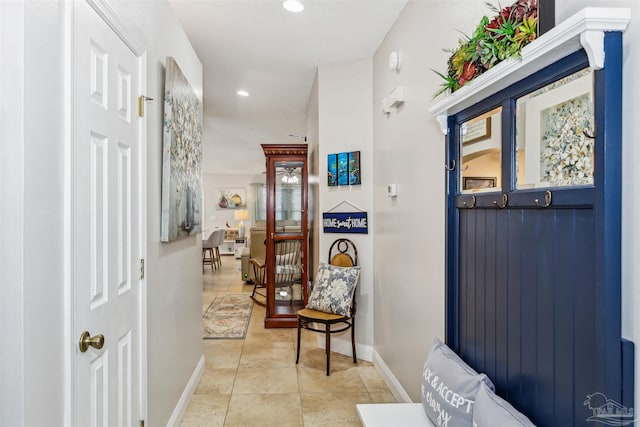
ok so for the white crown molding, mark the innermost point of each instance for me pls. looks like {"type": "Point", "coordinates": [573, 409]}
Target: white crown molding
{"type": "Point", "coordinates": [593, 44]}
{"type": "Point", "coordinates": [585, 30]}
{"type": "Point", "coordinates": [442, 121]}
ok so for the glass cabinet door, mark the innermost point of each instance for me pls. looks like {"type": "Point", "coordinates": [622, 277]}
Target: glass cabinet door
{"type": "Point", "coordinates": [287, 233]}
{"type": "Point", "coordinates": [288, 200]}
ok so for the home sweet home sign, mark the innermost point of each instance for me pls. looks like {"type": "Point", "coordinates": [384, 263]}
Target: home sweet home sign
{"type": "Point", "coordinates": [345, 222]}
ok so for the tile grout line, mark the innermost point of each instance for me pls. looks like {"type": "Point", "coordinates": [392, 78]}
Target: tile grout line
{"type": "Point", "coordinates": [224, 281]}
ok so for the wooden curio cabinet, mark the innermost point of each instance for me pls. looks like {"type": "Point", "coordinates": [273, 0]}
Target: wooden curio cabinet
{"type": "Point", "coordinates": [287, 233]}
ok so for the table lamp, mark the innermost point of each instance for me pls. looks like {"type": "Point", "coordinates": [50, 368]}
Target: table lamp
{"type": "Point", "coordinates": [241, 215]}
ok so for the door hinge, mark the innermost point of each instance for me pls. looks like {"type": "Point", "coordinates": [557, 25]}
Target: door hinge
{"type": "Point", "coordinates": [141, 423]}
{"type": "Point", "coordinates": [141, 100]}
{"type": "Point", "coordinates": [142, 269]}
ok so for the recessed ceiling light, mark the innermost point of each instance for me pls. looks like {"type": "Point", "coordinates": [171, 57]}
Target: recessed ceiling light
{"type": "Point", "coordinates": [242, 93]}
{"type": "Point", "coordinates": [293, 6]}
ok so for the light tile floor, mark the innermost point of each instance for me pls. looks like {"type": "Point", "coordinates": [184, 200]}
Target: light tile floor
{"type": "Point", "coordinates": [256, 382]}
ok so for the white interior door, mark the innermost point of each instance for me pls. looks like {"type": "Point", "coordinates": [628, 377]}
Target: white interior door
{"type": "Point", "coordinates": [106, 243]}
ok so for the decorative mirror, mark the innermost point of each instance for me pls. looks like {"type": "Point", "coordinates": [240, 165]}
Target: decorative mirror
{"type": "Point", "coordinates": [555, 134]}
{"type": "Point", "coordinates": [480, 148]}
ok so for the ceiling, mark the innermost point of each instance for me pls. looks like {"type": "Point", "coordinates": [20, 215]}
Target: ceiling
{"type": "Point", "coordinates": [258, 46]}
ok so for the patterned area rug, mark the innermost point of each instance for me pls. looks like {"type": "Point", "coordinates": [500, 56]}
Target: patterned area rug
{"type": "Point", "coordinates": [227, 316]}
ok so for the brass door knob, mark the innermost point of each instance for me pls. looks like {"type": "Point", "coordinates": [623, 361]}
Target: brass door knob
{"type": "Point", "coordinates": [86, 341]}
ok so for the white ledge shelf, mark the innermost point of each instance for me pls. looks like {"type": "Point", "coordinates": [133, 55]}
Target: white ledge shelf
{"type": "Point", "coordinates": [585, 30]}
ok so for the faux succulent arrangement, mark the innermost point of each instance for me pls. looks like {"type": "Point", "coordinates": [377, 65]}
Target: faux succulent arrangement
{"type": "Point", "coordinates": [492, 41]}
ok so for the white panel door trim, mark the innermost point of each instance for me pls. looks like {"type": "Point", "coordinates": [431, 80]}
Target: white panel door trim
{"type": "Point", "coordinates": [12, 210]}
{"type": "Point", "coordinates": [119, 27]}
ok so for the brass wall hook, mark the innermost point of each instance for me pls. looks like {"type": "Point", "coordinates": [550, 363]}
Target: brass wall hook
{"type": "Point", "coordinates": [451, 166]}
{"type": "Point", "coordinates": [588, 134]}
{"type": "Point", "coordinates": [505, 200]}
{"type": "Point", "coordinates": [547, 200]}
{"type": "Point", "coordinates": [472, 205]}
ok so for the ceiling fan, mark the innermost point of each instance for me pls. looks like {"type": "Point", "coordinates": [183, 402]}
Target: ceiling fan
{"type": "Point", "coordinates": [289, 175]}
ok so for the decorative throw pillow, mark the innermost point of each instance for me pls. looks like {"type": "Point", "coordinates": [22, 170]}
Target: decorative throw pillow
{"type": "Point", "coordinates": [334, 289]}
{"type": "Point", "coordinates": [492, 410]}
{"type": "Point", "coordinates": [449, 387]}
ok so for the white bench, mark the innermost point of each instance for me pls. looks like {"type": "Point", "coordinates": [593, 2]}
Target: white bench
{"type": "Point", "coordinates": [393, 414]}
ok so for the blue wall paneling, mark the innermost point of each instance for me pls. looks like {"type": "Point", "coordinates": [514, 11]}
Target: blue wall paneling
{"type": "Point", "coordinates": [533, 294]}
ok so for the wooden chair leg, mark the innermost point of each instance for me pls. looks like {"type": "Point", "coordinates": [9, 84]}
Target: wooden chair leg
{"type": "Point", "coordinates": [214, 256]}
{"type": "Point", "coordinates": [353, 339]}
{"type": "Point", "coordinates": [218, 255]}
{"type": "Point", "coordinates": [299, 331]}
{"type": "Point", "coordinates": [255, 292]}
{"type": "Point", "coordinates": [327, 345]}
{"type": "Point", "coordinates": [206, 251]}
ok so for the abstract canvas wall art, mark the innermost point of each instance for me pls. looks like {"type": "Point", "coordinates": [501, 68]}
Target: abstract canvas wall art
{"type": "Point", "coordinates": [181, 157]}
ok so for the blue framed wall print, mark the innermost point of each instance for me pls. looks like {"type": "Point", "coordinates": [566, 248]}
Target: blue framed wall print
{"type": "Point", "coordinates": [343, 169]}
{"type": "Point", "coordinates": [354, 168]}
{"type": "Point", "coordinates": [332, 170]}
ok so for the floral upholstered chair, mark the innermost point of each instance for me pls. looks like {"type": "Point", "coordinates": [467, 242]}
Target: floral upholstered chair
{"type": "Point", "coordinates": [332, 299]}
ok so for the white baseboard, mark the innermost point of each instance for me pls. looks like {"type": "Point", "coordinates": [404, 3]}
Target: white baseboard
{"type": "Point", "coordinates": [183, 403]}
{"type": "Point", "coordinates": [390, 380]}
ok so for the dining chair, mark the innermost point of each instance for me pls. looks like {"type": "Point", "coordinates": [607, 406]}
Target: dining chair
{"type": "Point", "coordinates": [218, 241]}
{"type": "Point", "coordinates": [332, 301]}
{"type": "Point", "coordinates": [208, 251]}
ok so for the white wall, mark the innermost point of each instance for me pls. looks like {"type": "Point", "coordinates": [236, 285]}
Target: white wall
{"type": "Point", "coordinates": [174, 271]}
{"type": "Point", "coordinates": [345, 124]}
{"type": "Point", "coordinates": [44, 232]}
{"type": "Point", "coordinates": [409, 150]}
{"type": "Point", "coordinates": [630, 172]}
{"type": "Point", "coordinates": [211, 184]}
{"type": "Point", "coordinates": [315, 218]}
{"type": "Point", "coordinates": [32, 194]}
{"type": "Point", "coordinates": [11, 213]}
{"type": "Point", "coordinates": [32, 328]}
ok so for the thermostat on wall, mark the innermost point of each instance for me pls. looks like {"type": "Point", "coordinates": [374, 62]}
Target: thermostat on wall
{"type": "Point", "coordinates": [392, 190]}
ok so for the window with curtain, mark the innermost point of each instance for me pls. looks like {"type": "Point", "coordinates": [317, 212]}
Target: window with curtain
{"type": "Point", "coordinates": [288, 202]}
